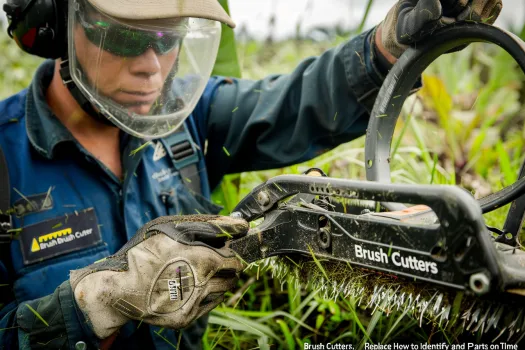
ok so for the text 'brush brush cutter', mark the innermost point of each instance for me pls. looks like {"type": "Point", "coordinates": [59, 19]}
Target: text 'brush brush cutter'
{"type": "Point", "coordinates": [436, 259]}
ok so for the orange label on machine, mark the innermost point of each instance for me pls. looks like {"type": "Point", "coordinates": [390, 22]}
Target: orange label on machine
{"type": "Point", "coordinates": [407, 213]}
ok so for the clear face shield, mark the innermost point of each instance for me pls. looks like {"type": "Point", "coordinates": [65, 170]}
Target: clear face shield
{"type": "Point", "coordinates": [145, 76]}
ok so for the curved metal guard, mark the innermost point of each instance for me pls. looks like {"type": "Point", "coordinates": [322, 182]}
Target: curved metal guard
{"type": "Point", "coordinates": [401, 79]}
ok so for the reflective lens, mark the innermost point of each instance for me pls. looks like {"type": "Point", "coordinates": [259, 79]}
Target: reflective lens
{"type": "Point", "coordinates": [124, 41]}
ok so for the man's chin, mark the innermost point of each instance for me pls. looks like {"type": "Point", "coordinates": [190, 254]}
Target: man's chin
{"type": "Point", "coordinates": [141, 109]}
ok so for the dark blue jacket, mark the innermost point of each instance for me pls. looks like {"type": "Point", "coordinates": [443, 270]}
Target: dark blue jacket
{"type": "Point", "coordinates": [71, 210]}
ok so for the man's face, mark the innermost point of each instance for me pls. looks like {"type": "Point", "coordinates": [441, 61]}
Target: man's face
{"type": "Point", "coordinates": [135, 82]}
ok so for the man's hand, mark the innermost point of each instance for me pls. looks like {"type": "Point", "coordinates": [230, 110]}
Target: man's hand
{"type": "Point", "coordinates": [411, 20]}
{"type": "Point", "coordinates": [174, 270]}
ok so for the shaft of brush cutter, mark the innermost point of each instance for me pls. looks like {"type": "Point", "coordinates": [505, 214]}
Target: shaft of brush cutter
{"type": "Point", "coordinates": [450, 247]}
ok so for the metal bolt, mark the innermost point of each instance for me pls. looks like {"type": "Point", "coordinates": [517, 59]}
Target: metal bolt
{"type": "Point", "coordinates": [236, 215]}
{"type": "Point", "coordinates": [365, 211]}
{"type": "Point", "coordinates": [325, 238]}
{"type": "Point", "coordinates": [439, 253]}
{"type": "Point", "coordinates": [479, 283]}
{"type": "Point", "coordinates": [263, 198]}
{"type": "Point", "coordinates": [80, 345]}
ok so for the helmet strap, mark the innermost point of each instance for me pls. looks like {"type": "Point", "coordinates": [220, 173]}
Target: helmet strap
{"type": "Point", "coordinates": [67, 80]}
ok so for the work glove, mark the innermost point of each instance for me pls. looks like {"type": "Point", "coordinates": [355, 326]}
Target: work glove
{"type": "Point", "coordinates": [174, 270]}
{"type": "Point", "coordinates": [411, 20]}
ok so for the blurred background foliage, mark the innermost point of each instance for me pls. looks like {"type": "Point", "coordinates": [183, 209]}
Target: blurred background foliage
{"type": "Point", "coordinates": [464, 127]}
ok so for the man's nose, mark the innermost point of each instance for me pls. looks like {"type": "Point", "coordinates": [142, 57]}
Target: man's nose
{"type": "Point", "coordinates": [145, 64]}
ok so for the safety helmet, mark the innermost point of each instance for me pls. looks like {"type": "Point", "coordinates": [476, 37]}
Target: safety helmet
{"type": "Point", "coordinates": [143, 65]}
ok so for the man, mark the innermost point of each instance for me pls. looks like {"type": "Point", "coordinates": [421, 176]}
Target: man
{"type": "Point", "coordinates": [84, 181]}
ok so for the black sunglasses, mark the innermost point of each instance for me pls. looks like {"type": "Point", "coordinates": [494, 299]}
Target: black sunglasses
{"type": "Point", "coordinates": [124, 41]}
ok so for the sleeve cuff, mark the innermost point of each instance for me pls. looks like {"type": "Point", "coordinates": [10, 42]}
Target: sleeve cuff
{"type": "Point", "coordinates": [77, 326]}
{"type": "Point", "coordinates": [55, 321]}
{"type": "Point", "coordinates": [380, 61]}
{"type": "Point", "coordinates": [363, 74]}
{"type": "Point", "coordinates": [366, 70]}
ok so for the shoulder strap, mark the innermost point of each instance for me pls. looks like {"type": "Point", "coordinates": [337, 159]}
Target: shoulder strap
{"type": "Point", "coordinates": [183, 153]}
{"type": "Point", "coordinates": [5, 201]}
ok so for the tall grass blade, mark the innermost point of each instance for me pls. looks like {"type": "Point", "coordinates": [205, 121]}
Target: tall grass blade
{"type": "Point", "coordinates": [227, 62]}
{"type": "Point", "coordinates": [37, 315]}
{"type": "Point", "coordinates": [358, 321]}
{"type": "Point", "coordinates": [372, 325]}
{"type": "Point", "coordinates": [290, 342]}
{"type": "Point", "coordinates": [263, 343]}
{"type": "Point", "coordinates": [506, 168]}
{"type": "Point", "coordinates": [434, 165]}
{"type": "Point", "coordinates": [400, 137]}
{"type": "Point", "coordinates": [240, 323]}
{"type": "Point", "coordinates": [365, 16]}
{"type": "Point", "coordinates": [392, 328]}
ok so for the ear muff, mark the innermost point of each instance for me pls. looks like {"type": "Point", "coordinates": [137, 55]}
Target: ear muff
{"type": "Point", "coordinates": [39, 27]}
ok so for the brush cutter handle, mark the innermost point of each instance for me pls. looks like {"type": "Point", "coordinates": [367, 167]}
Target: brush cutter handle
{"type": "Point", "coordinates": [399, 83]}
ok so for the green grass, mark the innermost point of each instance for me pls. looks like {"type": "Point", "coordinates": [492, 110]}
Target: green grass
{"type": "Point", "coordinates": [16, 68]}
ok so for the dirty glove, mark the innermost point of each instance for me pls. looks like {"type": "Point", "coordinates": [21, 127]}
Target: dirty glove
{"type": "Point", "coordinates": [411, 20]}
{"type": "Point", "coordinates": [172, 271]}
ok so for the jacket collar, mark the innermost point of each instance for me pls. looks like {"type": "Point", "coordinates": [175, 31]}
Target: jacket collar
{"type": "Point", "coordinates": [44, 130]}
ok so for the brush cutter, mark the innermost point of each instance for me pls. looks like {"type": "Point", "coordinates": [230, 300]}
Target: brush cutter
{"type": "Point", "coordinates": [435, 259]}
